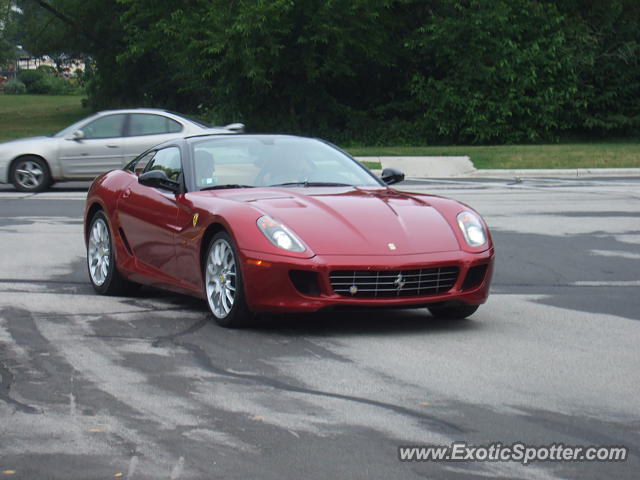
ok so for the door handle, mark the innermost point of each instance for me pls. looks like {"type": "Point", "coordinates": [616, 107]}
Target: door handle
{"type": "Point", "coordinates": [126, 193]}
{"type": "Point", "coordinates": [112, 146]}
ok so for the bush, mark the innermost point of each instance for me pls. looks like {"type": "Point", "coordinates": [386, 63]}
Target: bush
{"type": "Point", "coordinates": [15, 87]}
{"type": "Point", "coordinates": [50, 85]}
{"type": "Point", "coordinates": [46, 69]}
{"type": "Point", "coordinates": [29, 77]}
{"type": "Point", "coordinates": [40, 82]}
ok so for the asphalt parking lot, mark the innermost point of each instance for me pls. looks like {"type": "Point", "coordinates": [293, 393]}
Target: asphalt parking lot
{"type": "Point", "coordinates": [148, 387]}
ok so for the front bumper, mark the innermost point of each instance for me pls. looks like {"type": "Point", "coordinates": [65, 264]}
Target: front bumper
{"type": "Point", "coordinates": [270, 288]}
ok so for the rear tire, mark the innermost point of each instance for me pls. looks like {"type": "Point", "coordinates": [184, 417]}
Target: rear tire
{"type": "Point", "coordinates": [223, 283]}
{"type": "Point", "coordinates": [455, 311]}
{"type": "Point", "coordinates": [30, 174]}
{"type": "Point", "coordinates": [101, 260]}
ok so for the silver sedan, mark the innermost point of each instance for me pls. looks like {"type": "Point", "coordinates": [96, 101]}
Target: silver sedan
{"type": "Point", "coordinates": [99, 143]}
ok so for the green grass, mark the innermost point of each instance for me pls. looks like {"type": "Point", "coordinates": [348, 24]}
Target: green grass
{"type": "Point", "coordinates": [32, 115]}
{"type": "Point", "coordinates": [574, 155]}
{"type": "Point", "coordinates": [371, 165]}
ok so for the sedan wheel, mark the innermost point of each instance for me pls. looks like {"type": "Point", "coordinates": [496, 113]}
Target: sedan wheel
{"type": "Point", "coordinates": [30, 174]}
{"type": "Point", "coordinates": [223, 283]}
{"type": "Point", "coordinates": [103, 272]}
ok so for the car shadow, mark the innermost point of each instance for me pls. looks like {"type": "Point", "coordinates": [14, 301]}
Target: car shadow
{"type": "Point", "coordinates": [357, 322]}
{"type": "Point", "coordinates": [326, 323]}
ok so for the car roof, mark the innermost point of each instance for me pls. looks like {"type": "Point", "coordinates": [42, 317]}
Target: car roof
{"type": "Point", "coordinates": [137, 110]}
{"type": "Point", "coordinates": [243, 135]}
{"type": "Point", "coordinates": [213, 129]}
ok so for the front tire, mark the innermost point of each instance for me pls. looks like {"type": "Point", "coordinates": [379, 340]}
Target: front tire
{"type": "Point", "coordinates": [30, 174]}
{"type": "Point", "coordinates": [453, 311]}
{"type": "Point", "coordinates": [101, 259]}
{"type": "Point", "coordinates": [223, 283]}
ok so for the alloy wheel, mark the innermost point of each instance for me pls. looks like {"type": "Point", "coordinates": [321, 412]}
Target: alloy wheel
{"type": "Point", "coordinates": [29, 174]}
{"type": "Point", "coordinates": [99, 254]}
{"type": "Point", "coordinates": [221, 278]}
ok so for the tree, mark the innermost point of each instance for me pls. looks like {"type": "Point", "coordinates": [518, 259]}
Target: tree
{"type": "Point", "coordinates": [285, 65]}
{"type": "Point", "coordinates": [371, 71]}
{"type": "Point", "coordinates": [88, 29]}
{"type": "Point", "coordinates": [610, 80]}
{"type": "Point", "coordinates": [8, 32]}
{"type": "Point", "coordinates": [494, 71]}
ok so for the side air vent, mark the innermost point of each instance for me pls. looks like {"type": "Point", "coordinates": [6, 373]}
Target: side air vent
{"type": "Point", "coordinates": [125, 241]}
{"type": "Point", "coordinates": [306, 282]}
{"type": "Point", "coordinates": [474, 277]}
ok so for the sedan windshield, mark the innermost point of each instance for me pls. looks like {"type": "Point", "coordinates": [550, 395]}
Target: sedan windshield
{"type": "Point", "coordinates": [270, 161]}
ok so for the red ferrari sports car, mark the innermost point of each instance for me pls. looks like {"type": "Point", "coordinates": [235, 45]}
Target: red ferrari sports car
{"type": "Point", "coordinates": [275, 223]}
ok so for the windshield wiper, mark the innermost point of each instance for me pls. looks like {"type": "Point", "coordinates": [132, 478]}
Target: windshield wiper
{"type": "Point", "coordinates": [312, 184]}
{"type": "Point", "coordinates": [227, 185]}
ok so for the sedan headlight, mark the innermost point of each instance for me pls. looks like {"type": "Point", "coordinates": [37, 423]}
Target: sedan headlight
{"type": "Point", "coordinates": [472, 229]}
{"type": "Point", "coordinates": [279, 235]}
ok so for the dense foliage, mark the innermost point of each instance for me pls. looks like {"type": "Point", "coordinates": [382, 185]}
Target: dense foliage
{"type": "Point", "coordinates": [372, 71]}
{"type": "Point", "coordinates": [43, 81]}
{"type": "Point", "coordinates": [8, 36]}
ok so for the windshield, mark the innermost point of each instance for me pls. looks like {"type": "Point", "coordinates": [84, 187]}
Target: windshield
{"type": "Point", "coordinates": [263, 161]}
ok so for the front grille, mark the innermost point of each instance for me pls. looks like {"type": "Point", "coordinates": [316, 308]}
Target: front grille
{"type": "Point", "coordinates": [393, 283]}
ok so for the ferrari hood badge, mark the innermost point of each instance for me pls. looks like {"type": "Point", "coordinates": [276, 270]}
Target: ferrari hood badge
{"type": "Point", "coordinates": [392, 246]}
{"type": "Point", "coordinates": [195, 219]}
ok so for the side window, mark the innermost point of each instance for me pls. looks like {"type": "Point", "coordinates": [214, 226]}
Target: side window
{"type": "Point", "coordinates": [138, 164]}
{"type": "Point", "coordinates": [149, 124]}
{"type": "Point", "coordinates": [109, 126]}
{"type": "Point", "coordinates": [167, 159]}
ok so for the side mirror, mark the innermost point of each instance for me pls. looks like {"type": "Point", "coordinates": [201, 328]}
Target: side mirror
{"type": "Point", "coordinates": [77, 135]}
{"type": "Point", "coordinates": [391, 176]}
{"type": "Point", "coordinates": [158, 179]}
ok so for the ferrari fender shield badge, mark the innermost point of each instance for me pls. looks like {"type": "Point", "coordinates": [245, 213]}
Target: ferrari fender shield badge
{"type": "Point", "coordinates": [195, 219]}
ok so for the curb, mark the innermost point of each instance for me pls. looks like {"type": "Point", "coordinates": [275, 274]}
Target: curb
{"type": "Point", "coordinates": [441, 167]}
{"type": "Point", "coordinates": [558, 172]}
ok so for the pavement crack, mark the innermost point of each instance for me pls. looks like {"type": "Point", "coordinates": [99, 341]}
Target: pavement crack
{"type": "Point", "coordinates": [165, 339]}
{"type": "Point", "coordinates": [205, 361]}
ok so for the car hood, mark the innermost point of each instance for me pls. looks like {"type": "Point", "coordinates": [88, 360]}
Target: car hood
{"type": "Point", "coordinates": [355, 221]}
{"type": "Point", "coordinates": [21, 143]}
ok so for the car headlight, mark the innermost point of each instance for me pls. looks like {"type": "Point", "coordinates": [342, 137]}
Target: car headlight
{"type": "Point", "coordinates": [279, 235]}
{"type": "Point", "coordinates": [472, 229]}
